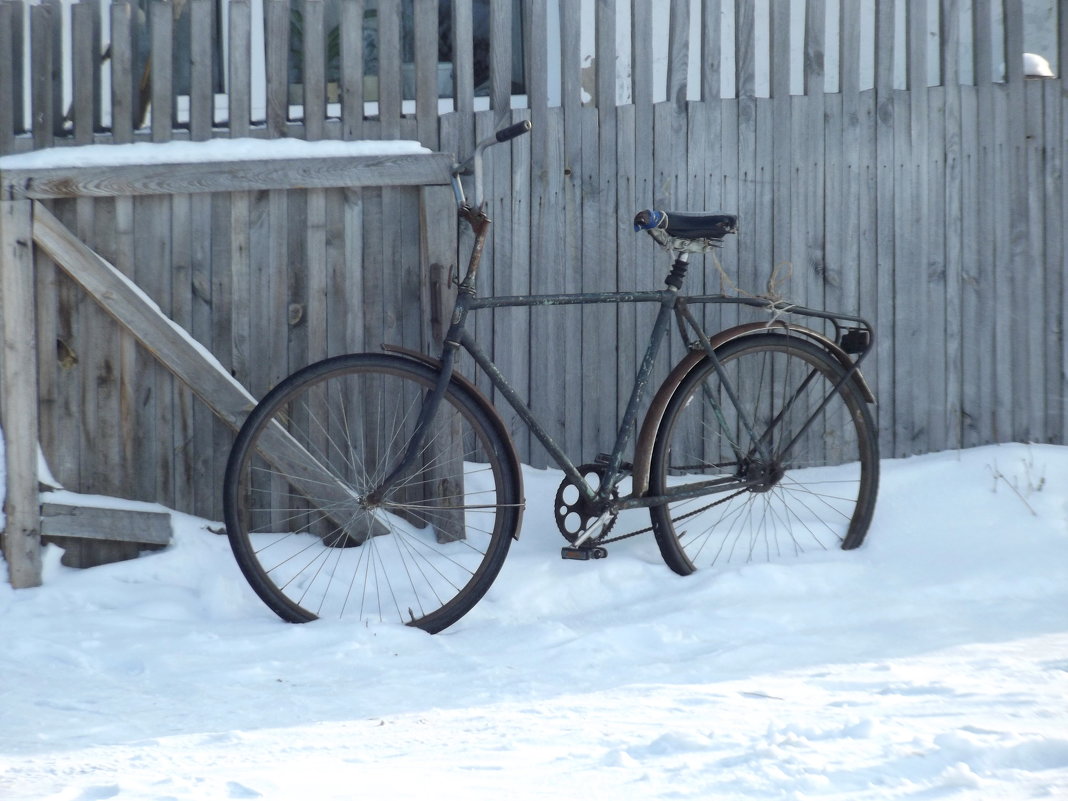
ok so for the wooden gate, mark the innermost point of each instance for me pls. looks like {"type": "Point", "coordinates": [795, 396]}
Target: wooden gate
{"type": "Point", "coordinates": [27, 225]}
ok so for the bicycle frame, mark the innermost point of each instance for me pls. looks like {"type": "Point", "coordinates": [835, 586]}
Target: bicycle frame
{"type": "Point", "coordinates": [671, 305]}
{"type": "Point", "coordinates": [758, 442]}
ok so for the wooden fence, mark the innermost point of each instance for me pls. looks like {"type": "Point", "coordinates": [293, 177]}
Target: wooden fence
{"type": "Point", "coordinates": [889, 187]}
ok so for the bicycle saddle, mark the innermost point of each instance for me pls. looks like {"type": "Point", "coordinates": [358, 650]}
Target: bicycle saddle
{"type": "Point", "coordinates": [678, 230]}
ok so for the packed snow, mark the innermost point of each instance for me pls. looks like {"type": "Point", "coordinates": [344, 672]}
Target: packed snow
{"type": "Point", "coordinates": [932, 663]}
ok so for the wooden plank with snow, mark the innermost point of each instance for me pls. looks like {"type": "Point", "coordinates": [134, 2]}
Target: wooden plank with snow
{"type": "Point", "coordinates": [91, 534]}
{"type": "Point", "coordinates": [177, 351]}
{"type": "Point", "coordinates": [121, 298]}
{"type": "Point", "coordinates": [62, 520]}
{"type": "Point", "coordinates": [116, 180]}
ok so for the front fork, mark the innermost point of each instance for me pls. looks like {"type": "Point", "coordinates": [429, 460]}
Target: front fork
{"type": "Point", "coordinates": [480, 224]}
{"type": "Point", "coordinates": [429, 410]}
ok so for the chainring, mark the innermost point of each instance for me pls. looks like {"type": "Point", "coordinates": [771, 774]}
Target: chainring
{"type": "Point", "coordinates": [573, 513]}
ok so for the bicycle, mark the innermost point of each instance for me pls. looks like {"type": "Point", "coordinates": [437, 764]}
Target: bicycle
{"type": "Point", "coordinates": [378, 485]}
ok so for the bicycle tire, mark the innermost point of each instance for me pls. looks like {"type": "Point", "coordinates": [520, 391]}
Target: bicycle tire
{"type": "Point", "coordinates": [820, 495]}
{"type": "Point", "coordinates": [297, 524]}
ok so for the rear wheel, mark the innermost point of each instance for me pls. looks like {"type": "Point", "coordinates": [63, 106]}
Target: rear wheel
{"type": "Point", "coordinates": [805, 478]}
{"type": "Point", "coordinates": [295, 497]}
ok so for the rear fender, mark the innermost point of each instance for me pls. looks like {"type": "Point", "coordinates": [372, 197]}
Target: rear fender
{"type": "Point", "coordinates": [643, 448]}
{"type": "Point", "coordinates": [494, 416]}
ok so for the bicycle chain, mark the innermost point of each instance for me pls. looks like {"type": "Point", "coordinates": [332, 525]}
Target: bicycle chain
{"type": "Point", "coordinates": [602, 541]}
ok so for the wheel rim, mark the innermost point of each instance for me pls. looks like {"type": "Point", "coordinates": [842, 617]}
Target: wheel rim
{"type": "Point", "coordinates": [421, 556]}
{"type": "Point", "coordinates": [810, 491]}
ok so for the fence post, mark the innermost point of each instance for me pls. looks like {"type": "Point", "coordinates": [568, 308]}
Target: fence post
{"type": "Point", "coordinates": [18, 401]}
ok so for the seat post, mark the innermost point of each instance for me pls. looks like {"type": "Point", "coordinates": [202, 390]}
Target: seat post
{"type": "Point", "coordinates": [678, 271]}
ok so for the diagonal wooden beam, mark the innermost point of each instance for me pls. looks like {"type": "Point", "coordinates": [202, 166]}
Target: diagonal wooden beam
{"type": "Point", "coordinates": [139, 314]}
{"type": "Point", "coordinates": [189, 362]}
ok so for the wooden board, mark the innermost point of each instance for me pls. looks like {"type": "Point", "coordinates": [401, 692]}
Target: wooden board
{"type": "Point", "coordinates": [230, 176]}
{"type": "Point", "coordinates": [18, 401]}
{"type": "Point", "coordinates": [96, 523]}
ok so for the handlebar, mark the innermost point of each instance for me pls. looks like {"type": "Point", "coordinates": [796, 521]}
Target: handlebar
{"type": "Point", "coordinates": [474, 162]}
{"type": "Point", "coordinates": [512, 131]}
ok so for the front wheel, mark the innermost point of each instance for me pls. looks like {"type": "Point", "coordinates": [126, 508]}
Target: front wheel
{"type": "Point", "coordinates": [803, 477]}
{"type": "Point", "coordinates": [303, 465]}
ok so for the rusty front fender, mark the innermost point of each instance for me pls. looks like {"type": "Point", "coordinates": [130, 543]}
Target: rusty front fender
{"type": "Point", "coordinates": [643, 448]}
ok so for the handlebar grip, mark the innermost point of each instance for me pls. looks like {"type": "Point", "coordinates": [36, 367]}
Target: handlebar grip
{"type": "Point", "coordinates": [512, 131]}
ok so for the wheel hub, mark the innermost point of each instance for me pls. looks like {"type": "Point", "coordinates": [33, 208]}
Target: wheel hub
{"type": "Point", "coordinates": [762, 475]}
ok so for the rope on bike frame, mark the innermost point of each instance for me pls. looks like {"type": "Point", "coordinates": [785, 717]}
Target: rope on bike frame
{"type": "Point", "coordinates": [772, 294]}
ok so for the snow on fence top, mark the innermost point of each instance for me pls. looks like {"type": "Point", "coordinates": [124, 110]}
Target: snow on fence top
{"type": "Point", "coordinates": [212, 150]}
{"type": "Point", "coordinates": [218, 165]}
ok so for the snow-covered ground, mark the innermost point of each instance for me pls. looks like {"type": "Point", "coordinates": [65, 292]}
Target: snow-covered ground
{"type": "Point", "coordinates": [930, 664]}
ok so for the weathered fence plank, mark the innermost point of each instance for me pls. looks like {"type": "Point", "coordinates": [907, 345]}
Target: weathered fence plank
{"type": "Point", "coordinates": [19, 400]}
{"type": "Point", "coordinates": [425, 36]}
{"type": "Point", "coordinates": [1056, 245]}
{"type": "Point", "coordinates": [313, 71]}
{"type": "Point", "coordinates": [974, 317]}
{"type": "Point", "coordinates": [123, 180]}
{"type": "Point", "coordinates": [161, 63]}
{"type": "Point", "coordinates": [932, 163]}
{"type": "Point", "coordinates": [1062, 392]}
{"type": "Point", "coordinates": [91, 536]}
{"type": "Point", "coordinates": [201, 90]}
{"type": "Point", "coordinates": [711, 55]}
{"type": "Point", "coordinates": [10, 74]}
{"type": "Point", "coordinates": [1033, 272]}
{"type": "Point", "coordinates": [389, 68]}
{"type": "Point", "coordinates": [1002, 196]}
{"type": "Point", "coordinates": [60, 521]}
{"type": "Point", "coordinates": [239, 87]}
{"type": "Point", "coordinates": [7, 78]}
{"type": "Point", "coordinates": [276, 65]}
{"type": "Point", "coordinates": [463, 64]}
{"type": "Point", "coordinates": [352, 72]}
{"type": "Point", "coordinates": [952, 207]}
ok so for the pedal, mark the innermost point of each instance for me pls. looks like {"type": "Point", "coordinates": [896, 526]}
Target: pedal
{"type": "Point", "coordinates": [583, 554]}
